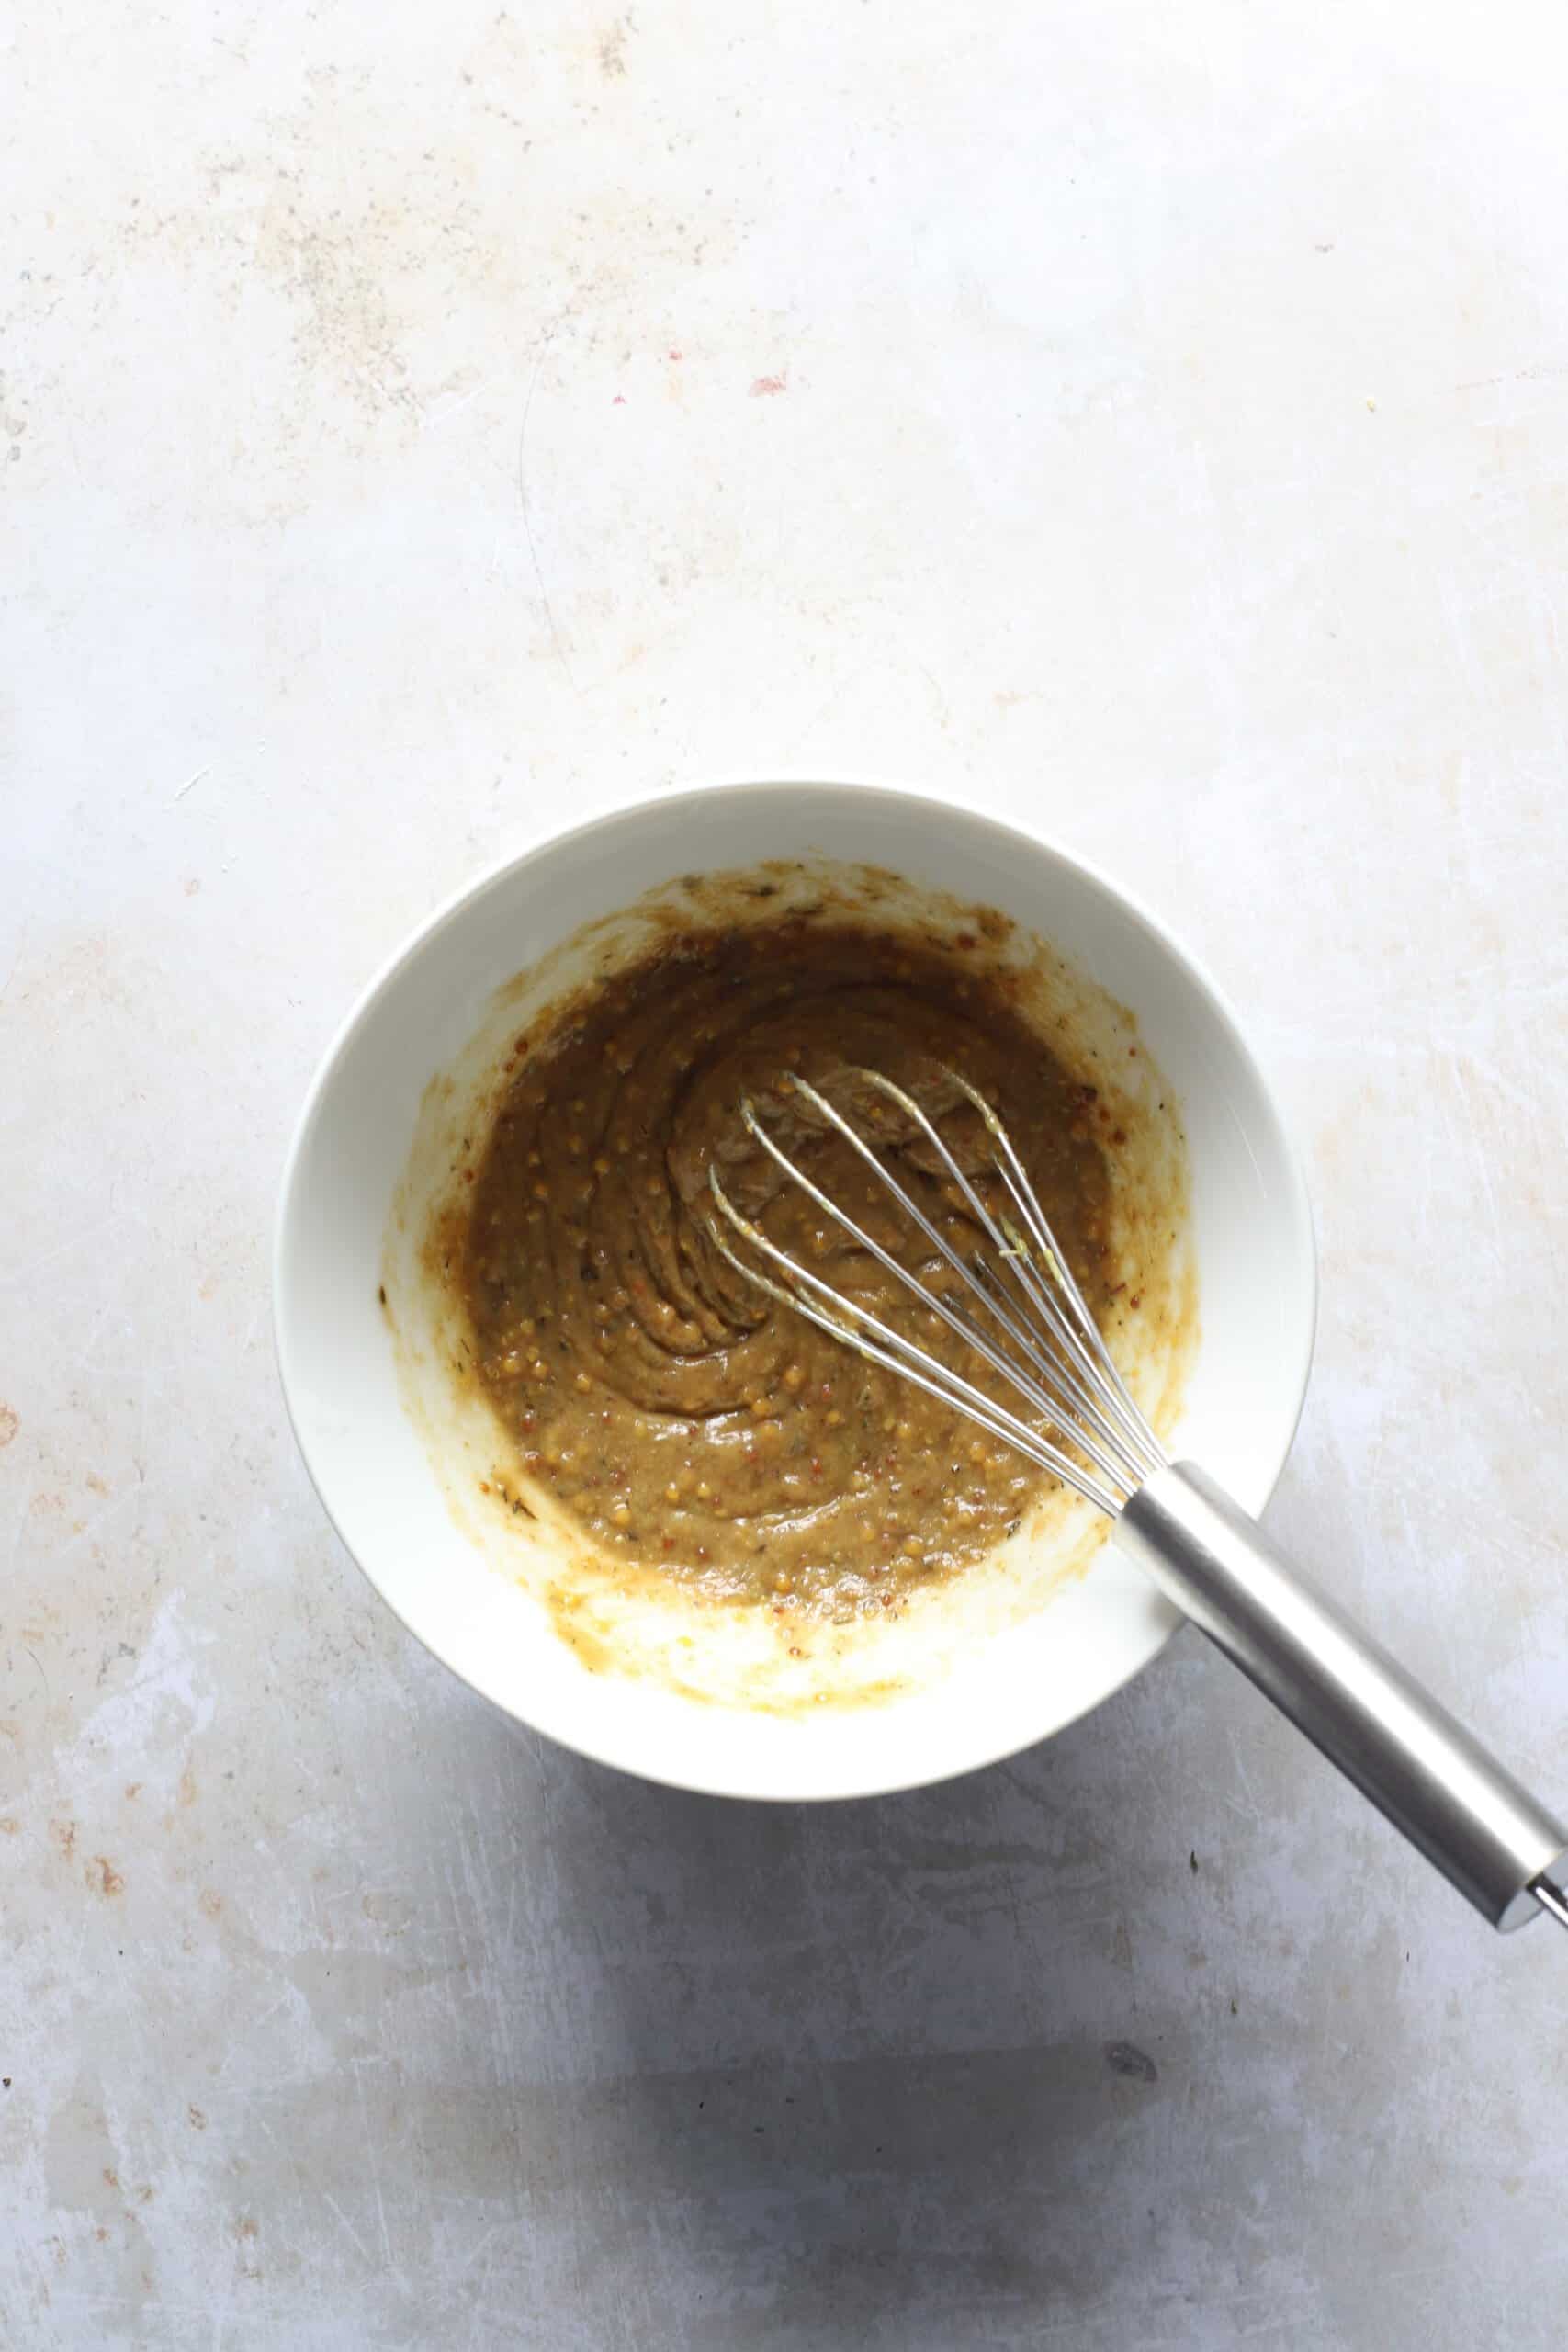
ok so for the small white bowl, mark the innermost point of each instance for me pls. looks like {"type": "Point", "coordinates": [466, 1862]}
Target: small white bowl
{"type": "Point", "coordinates": [373, 1468]}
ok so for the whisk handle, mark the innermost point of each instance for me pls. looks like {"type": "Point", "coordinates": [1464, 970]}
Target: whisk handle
{"type": "Point", "coordinates": [1358, 1705]}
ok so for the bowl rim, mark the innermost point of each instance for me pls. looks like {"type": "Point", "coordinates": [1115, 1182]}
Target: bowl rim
{"type": "Point", "coordinates": [866, 787]}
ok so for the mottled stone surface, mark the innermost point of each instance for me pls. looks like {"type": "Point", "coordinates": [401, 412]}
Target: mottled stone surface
{"type": "Point", "coordinates": [417, 422]}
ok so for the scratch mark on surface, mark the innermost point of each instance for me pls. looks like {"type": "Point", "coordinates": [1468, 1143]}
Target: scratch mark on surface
{"type": "Point", "coordinates": [28, 1270]}
{"type": "Point", "coordinates": [428, 422]}
{"type": "Point", "coordinates": [190, 782]}
{"type": "Point", "coordinates": [545, 342]}
{"type": "Point", "coordinates": [16, 963]}
{"type": "Point", "coordinates": [93, 1527]}
{"type": "Point", "coordinates": [320, 2188]}
{"type": "Point", "coordinates": [390, 2258]}
{"type": "Point", "coordinates": [469, 2260]}
{"type": "Point", "coordinates": [840, 689]}
{"type": "Point", "coordinates": [1251, 1810]}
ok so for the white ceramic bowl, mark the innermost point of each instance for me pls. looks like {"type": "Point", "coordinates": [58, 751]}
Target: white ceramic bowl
{"type": "Point", "coordinates": [373, 1468]}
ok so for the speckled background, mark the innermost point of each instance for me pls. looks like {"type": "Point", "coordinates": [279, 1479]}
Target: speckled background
{"type": "Point", "coordinates": [417, 424]}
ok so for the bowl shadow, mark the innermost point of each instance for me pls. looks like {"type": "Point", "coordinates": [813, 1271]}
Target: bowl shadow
{"type": "Point", "coordinates": [878, 2072]}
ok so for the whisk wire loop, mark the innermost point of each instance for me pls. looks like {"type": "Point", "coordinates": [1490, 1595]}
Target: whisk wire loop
{"type": "Point", "coordinates": [1462, 1810]}
{"type": "Point", "coordinates": [1050, 1351]}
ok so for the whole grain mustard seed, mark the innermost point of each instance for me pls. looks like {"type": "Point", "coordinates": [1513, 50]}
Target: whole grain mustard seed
{"type": "Point", "coordinates": [630, 1361]}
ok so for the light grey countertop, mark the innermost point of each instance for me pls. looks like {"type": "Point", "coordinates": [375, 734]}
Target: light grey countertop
{"type": "Point", "coordinates": [419, 423]}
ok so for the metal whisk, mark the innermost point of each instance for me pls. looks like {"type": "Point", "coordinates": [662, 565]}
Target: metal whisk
{"type": "Point", "coordinates": [1016, 1304]}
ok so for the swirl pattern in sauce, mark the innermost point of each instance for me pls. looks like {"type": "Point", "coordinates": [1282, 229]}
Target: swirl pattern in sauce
{"type": "Point", "coordinates": [671, 1411]}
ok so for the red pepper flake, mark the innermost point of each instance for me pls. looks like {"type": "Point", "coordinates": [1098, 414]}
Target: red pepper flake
{"type": "Point", "coordinates": [966, 939]}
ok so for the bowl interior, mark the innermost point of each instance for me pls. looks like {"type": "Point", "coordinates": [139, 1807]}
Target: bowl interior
{"type": "Point", "coordinates": [372, 1467]}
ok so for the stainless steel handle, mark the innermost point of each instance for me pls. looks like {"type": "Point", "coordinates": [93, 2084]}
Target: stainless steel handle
{"type": "Point", "coordinates": [1403, 1751]}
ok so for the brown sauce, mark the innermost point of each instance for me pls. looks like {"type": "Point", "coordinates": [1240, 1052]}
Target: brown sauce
{"type": "Point", "coordinates": [677, 1415]}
